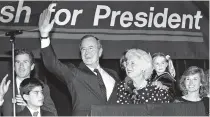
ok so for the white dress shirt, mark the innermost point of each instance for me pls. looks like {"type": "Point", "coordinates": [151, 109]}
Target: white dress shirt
{"type": "Point", "coordinates": [107, 79]}
{"type": "Point", "coordinates": [45, 42]}
{"type": "Point", "coordinates": [32, 111]}
{"type": "Point", "coordinates": [18, 82]}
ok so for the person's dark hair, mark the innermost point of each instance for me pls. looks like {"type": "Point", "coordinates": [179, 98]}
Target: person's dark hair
{"type": "Point", "coordinates": [25, 51]}
{"type": "Point", "coordinates": [123, 60]}
{"type": "Point", "coordinates": [28, 84]}
{"type": "Point", "coordinates": [90, 36]}
{"type": "Point", "coordinates": [207, 81]}
{"type": "Point", "coordinates": [192, 71]}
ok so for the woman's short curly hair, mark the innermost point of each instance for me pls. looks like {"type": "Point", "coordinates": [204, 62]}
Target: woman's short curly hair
{"type": "Point", "coordinates": [191, 71]}
{"type": "Point", "coordinates": [146, 60]}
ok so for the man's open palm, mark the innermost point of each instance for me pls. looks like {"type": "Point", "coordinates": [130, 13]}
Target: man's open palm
{"type": "Point", "coordinates": [45, 26]}
{"type": "Point", "coordinates": [4, 86]}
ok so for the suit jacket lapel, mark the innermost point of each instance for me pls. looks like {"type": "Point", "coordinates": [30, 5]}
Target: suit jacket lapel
{"type": "Point", "coordinates": [84, 68]}
{"type": "Point", "coordinates": [91, 82]}
{"type": "Point", "coordinates": [113, 94]}
{"type": "Point", "coordinates": [42, 113]}
{"type": "Point", "coordinates": [27, 112]}
{"type": "Point", "coordinates": [16, 91]}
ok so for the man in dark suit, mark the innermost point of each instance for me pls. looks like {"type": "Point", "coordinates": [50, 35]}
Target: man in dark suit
{"type": "Point", "coordinates": [24, 64]}
{"type": "Point", "coordinates": [89, 84]}
{"type": "Point", "coordinates": [31, 90]}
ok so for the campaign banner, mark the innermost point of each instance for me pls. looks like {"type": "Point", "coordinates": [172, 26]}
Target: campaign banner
{"type": "Point", "coordinates": [177, 28]}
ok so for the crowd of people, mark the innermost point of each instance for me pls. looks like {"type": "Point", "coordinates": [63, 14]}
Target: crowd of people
{"type": "Point", "coordinates": [149, 79]}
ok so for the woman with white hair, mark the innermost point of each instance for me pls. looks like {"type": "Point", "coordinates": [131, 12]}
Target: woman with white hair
{"type": "Point", "coordinates": [136, 89]}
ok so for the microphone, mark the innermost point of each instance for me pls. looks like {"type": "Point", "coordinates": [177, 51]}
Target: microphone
{"type": "Point", "coordinates": [14, 32]}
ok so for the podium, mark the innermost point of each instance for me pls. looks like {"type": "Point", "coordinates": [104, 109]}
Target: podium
{"type": "Point", "coordinates": [171, 109]}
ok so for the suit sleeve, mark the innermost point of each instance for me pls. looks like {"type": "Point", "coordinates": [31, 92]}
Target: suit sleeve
{"type": "Point", "coordinates": [48, 103]}
{"type": "Point", "coordinates": [63, 72]}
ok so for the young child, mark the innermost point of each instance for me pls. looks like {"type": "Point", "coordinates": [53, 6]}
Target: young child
{"type": "Point", "coordinates": [31, 92]}
{"type": "Point", "coordinates": [164, 71]}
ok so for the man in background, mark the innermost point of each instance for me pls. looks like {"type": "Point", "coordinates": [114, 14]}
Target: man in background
{"type": "Point", "coordinates": [24, 65]}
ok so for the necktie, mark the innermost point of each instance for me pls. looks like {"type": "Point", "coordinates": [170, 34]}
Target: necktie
{"type": "Point", "coordinates": [101, 84]}
{"type": "Point", "coordinates": [35, 114]}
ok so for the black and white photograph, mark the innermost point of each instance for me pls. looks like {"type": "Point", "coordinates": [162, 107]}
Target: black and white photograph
{"type": "Point", "coordinates": [104, 58]}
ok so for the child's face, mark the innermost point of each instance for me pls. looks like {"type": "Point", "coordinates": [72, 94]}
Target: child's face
{"type": "Point", "coordinates": [193, 82]}
{"type": "Point", "coordinates": [35, 97]}
{"type": "Point", "coordinates": [160, 64]}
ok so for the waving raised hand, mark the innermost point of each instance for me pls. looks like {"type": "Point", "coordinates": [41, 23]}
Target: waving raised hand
{"type": "Point", "coordinates": [45, 26]}
{"type": "Point", "coordinates": [4, 86]}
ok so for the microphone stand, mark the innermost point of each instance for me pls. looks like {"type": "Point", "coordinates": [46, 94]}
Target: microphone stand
{"type": "Point", "coordinates": [12, 35]}
{"type": "Point", "coordinates": [12, 41]}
